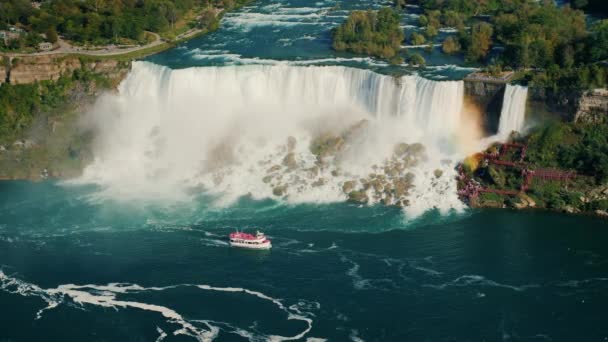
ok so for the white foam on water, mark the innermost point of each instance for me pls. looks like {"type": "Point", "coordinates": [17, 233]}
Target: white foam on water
{"type": "Point", "coordinates": [478, 280]}
{"type": "Point", "coordinates": [107, 296]}
{"type": "Point", "coordinates": [245, 21]}
{"type": "Point", "coordinates": [361, 283]}
{"type": "Point", "coordinates": [161, 335]}
{"type": "Point", "coordinates": [354, 336]}
{"type": "Point", "coordinates": [418, 46]}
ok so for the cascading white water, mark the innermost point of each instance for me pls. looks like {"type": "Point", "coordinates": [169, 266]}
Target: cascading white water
{"type": "Point", "coordinates": [513, 111]}
{"type": "Point", "coordinates": [221, 128]}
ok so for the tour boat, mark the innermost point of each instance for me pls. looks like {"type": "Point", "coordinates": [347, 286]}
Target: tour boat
{"type": "Point", "coordinates": [257, 241]}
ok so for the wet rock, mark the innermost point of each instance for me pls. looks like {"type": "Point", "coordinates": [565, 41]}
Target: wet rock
{"type": "Point", "coordinates": [409, 177]}
{"type": "Point", "coordinates": [416, 150]}
{"type": "Point", "coordinates": [391, 171]}
{"type": "Point", "coordinates": [601, 213]}
{"type": "Point", "coordinates": [348, 186]}
{"type": "Point", "coordinates": [358, 196]}
{"type": "Point", "coordinates": [402, 187]}
{"type": "Point", "coordinates": [403, 202]}
{"type": "Point", "coordinates": [525, 202]}
{"type": "Point", "coordinates": [290, 161]}
{"type": "Point", "coordinates": [401, 150]}
{"type": "Point", "coordinates": [313, 172]}
{"type": "Point", "coordinates": [319, 182]}
{"type": "Point", "coordinates": [387, 200]}
{"type": "Point", "coordinates": [377, 185]}
{"type": "Point", "coordinates": [274, 168]}
{"type": "Point", "coordinates": [335, 173]}
{"type": "Point", "coordinates": [364, 183]}
{"type": "Point", "coordinates": [267, 179]}
{"type": "Point", "coordinates": [279, 190]}
{"type": "Point", "coordinates": [325, 146]}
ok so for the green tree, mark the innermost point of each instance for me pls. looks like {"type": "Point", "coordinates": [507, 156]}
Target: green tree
{"type": "Point", "coordinates": [399, 4]}
{"type": "Point", "coordinates": [51, 35]}
{"type": "Point", "coordinates": [371, 32]}
{"type": "Point", "coordinates": [480, 42]}
{"type": "Point", "coordinates": [450, 45]}
{"type": "Point", "coordinates": [417, 39]}
{"type": "Point", "coordinates": [417, 60]}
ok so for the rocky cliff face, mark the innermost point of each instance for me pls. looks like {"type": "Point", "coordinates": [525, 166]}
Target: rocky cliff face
{"type": "Point", "coordinates": [30, 69]}
{"type": "Point", "coordinates": [593, 107]}
{"type": "Point", "coordinates": [549, 103]}
{"type": "Point", "coordinates": [487, 96]}
{"type": "Point", "coordinates": [3, 74]}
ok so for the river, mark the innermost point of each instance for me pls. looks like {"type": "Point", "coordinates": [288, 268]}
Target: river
{"type": "Point", "coordinates": [136, 249]}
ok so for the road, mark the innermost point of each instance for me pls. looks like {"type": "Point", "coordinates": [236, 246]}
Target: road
{"type": "Point", "coordinates": [67, 48]}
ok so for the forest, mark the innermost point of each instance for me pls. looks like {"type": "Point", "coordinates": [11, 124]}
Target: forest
{"type": "Point", "coordinates": [99, 21]}
{"type": "Point", "coordinates": [374, 33]}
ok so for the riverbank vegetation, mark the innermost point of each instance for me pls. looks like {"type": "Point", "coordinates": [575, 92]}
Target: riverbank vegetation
{"type": "Point", "coordinates": [581, 149]}
{"type": "Point", "coordinates": [99, 22]}
{"type": "Point", "coordinates": [551, 46]}
{"type": "Point", "coordinates": [375, 33]}
{"type": "Point", "coordinates": [38, 125]}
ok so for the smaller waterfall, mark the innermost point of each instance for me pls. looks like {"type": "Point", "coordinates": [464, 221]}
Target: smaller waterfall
{"type": "Point", "coordinates": [513, 110]}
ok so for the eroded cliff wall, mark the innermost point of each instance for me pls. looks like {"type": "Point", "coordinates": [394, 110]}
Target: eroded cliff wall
{"type": "Point", "coordinates": [30, 69]}
{"type": "Point", "coordinates": [593, 107]}
{"type": "Point", "coordinates": [487, 96]}
{"type": "Point", "coordinates": [3, 73]}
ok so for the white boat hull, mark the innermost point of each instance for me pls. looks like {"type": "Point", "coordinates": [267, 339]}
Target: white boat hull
{"type": "Point", "coordinates": [263, 245]}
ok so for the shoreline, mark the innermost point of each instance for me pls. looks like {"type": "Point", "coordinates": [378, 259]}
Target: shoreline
{"type": "Point", "coordinates": [600, 214]}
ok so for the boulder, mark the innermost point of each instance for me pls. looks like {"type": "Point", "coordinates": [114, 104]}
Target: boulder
{"type": "Point", "coordinates": [409, 177]}
{"type": "Point", "coordinates": [401, 149]}
{"type": "Point", "coordinates": [279, 190]}
{"type": "Point", "coordinates": [391, 171]}
{"type": "Point", "coordinates": [319, 182]}
{"type": "Point", "coordinates": [348, 186]}
{"type": "Point", "coordinates": [416, 150]}
{"type": "Point", "coordinates": [358, 196]}
{"type": "Point", "coordinates": [401, 187]}
{"type": "Point", "coordinates": [290, 161]}
{"type": "Point", "coordinates": [313, 172]}
{"type": "Point", "coordinates": [438, 173]}
{"type": "Point", "coordinates": [601, 213]}
{"type": "Point", "coordinates": [274, 168]}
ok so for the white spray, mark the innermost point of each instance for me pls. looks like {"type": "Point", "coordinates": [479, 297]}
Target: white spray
{"type": "Point", "coordinates": [168, 132]}
{"type": "Point", "coordinates": [513, 110]}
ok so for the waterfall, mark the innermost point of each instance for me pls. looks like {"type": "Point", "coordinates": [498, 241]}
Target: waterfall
{"type": "Point", "coordinates": [513, 111]}
{"type": "Point", "coordinates": [221, 129]}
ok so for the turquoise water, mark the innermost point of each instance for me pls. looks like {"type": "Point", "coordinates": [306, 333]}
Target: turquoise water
{"type": "Point", "coordinates": [339, 271]}
{"type": "Point", "coordinates": [77, 267]}
{"type": "Point", "coordinates": [297, 32]}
